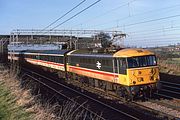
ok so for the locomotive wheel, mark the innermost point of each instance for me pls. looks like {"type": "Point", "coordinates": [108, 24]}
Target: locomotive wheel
{"type": "Point", "coordinates": [91, 82]}
{"type": "Point", "coordinates": [126, 94]}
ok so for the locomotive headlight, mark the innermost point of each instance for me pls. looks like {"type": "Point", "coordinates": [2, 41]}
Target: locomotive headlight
{"type": "Point", "coordinates": [134, 82]}
{"type": "Point", "coordinates": [140, 79]}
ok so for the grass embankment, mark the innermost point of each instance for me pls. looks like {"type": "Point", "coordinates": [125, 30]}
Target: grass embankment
{"type": "Point", "coordinates": [169, 61]}
{"type": "Point", "coordinates": [17, 103]}
{"type": "Point", "coordinates": [9, 110]}
{"type": "Point", "coordinates": [170, 66]}
{"type": "Point", "coordinates": [9, 107]}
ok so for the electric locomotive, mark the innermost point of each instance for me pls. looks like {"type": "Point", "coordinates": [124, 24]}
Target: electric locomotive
{"type": "Point", "coordinates": [127, 72]}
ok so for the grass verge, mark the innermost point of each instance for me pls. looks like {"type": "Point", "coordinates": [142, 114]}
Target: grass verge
{"type": "Point", "coordinates": [17, 102]}
{"type": "Point", "coordinates": [9, 110]}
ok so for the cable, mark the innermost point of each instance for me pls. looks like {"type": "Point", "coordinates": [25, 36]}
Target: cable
{"type": "Point", "coordinates": [147, 21]}
{"type": "Point", "coordinates": [160, 43]}
{"type": "Point", "coordinates": [163, 31]}
{"type": "Point", "coordinates": [75, 15]}
{"type": "Point", "coordinates": [124, 18]}
{"type": "Point", "coordinates": [63, 15]}
{"type": "Point", "coordinates": [107, 12]}
{"type": "Point", "coordinates": [155, 30]}
{"type": "Point", "coordinates": [157, 37]}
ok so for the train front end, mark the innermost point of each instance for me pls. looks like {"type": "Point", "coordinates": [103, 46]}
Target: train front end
{"type": "Point", "coordinates": [141, 75]}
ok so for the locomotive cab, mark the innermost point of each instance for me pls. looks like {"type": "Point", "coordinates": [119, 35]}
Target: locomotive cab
{"type": "Point", "coordinates": [138, 71]}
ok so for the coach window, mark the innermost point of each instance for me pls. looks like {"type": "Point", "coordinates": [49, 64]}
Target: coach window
{"type": "Point", "coordinates": [37, 56]}
{"type": "Point", "coordinates": [81, 60]}
{"type": "Point", "coordinates": [115, 65]}
{"type": "Point", "coordinates": [53, 58]}
{"type": "Point", "coordinates": [60, 59]}
{"type": "Point", "coordinates": [50, 58]}
{"type": "Point", "coordinates": [56, 59]}
{"type": "Point", "coordinates": [44, 58]}
{"type": "Point", "coordinates": [47, 58]}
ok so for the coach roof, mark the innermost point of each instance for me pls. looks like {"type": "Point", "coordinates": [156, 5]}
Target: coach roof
{"type": "Point", "coordinates": [61, 52]}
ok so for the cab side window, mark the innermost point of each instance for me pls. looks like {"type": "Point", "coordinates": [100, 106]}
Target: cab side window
{"type": "Point", "coordinates": [122, 66]}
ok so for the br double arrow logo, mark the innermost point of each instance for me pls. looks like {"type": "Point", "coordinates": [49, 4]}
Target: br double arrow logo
{"type": "Point", "coordinates": [98, 65]}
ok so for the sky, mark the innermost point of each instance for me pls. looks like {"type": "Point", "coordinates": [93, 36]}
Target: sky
{"type": "Point", "coordinates": [146, 22]}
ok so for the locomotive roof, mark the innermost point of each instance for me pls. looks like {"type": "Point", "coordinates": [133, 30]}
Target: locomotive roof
{"type": "Point", "coordinates": [128, 52]}
{"type": "Point", "coordinates": [91, 52]}
{"type": "Point", "coordinates": [133, 52]}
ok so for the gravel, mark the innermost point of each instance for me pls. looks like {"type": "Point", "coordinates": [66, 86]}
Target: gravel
{"type": "Point", "coordinates": [161, 108]}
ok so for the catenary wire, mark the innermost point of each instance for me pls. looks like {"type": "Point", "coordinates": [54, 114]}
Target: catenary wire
{"type": "Point", "coordinates": [124, 18]}
{"type": "Point", "coordinates": [63, 15]}
{"type": "Point", "coordinates": [75, 15]}
{"type": "Point", "coordinates": [105, 13]}
{"type": "Point", "coordinates": [146, 21]}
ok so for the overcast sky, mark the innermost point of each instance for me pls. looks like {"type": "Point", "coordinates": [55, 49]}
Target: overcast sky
{"type": "Point", "coordinates": [147, 22]}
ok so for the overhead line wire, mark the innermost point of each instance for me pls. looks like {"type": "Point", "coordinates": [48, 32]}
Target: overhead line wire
{"type": "Point", "coordinates": [156, 36]}
{"type": "Point", "coordinates": [153, 41]}
{"type": "Point", "coordinates": [107, 12]}
{"type": "Point", "coordinates": [153, 30]}
{"type": "Point", "coordinates": [124, 18]}
{"type": "Point", "coordinates": [75, 15]}
{"type": "Point", "coordinates": [147, 21]}
{"type": "Point", "coordinates": [63, 15]}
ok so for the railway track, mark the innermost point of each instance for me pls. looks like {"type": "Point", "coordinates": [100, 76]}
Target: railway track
{"type": "Point", "coordinates": [82, 98]}
{"type": "Point", "coordinates": [169, 90]}
{"type": "Point", "coordinates": [170, 86]}
{"type": "Point", "coordinates": [113, 110]}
